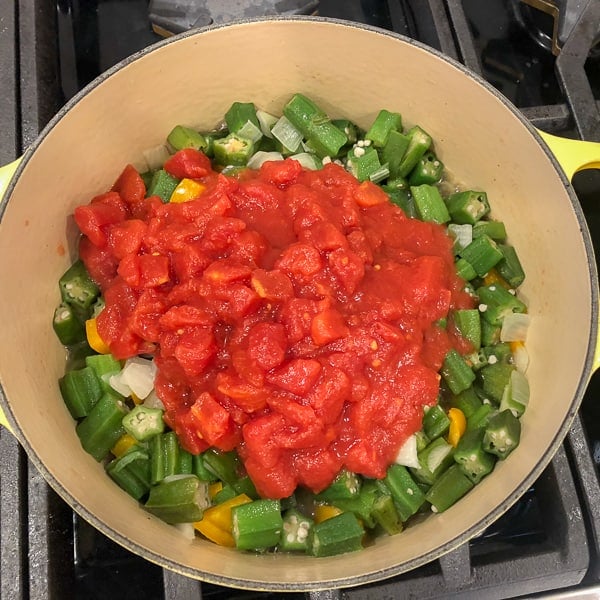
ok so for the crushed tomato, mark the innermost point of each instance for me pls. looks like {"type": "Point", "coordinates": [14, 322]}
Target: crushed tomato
{"type": "Point", "coordinates": [291, 313]}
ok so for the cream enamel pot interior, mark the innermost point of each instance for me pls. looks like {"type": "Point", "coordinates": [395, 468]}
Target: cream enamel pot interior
{"type": "Point", "coordinates": [352, 71]}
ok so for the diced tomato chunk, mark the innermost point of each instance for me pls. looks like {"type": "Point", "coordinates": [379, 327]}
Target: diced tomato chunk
{"type": "Point", "coordinates": [188, 162]}
{"type": "Point", "coordinates": [126, 237]}
{"type": "Point", "coordinates": [298, 376]}
{"type": "Point", "coordinates": [103, 210]}
{"type": "Point", "coordinates": [267, 345]}
{"type": "Point", "coordinates": [281, 173]}
{"type": "Point", "coordinates": [100, 263]}
{"type": "Point", "coordinates": [272, 285]}
{"type": "Point", "coordinates": [328, 326]}
{"type": "Point", "coordinates": [291, 313]}
{"type": "Point", "coordinates": [213, 421]}
{"type": "Point", "coordinates": [368, 194]}
{"type": "Point", "coordinates": [194, 350]}
{"type": "Point", "coordinates": [130, 186]}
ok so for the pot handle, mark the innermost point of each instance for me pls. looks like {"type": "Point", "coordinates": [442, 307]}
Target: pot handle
{"type": "Point", "coordinates": [573, 156]}
{"type": "Point", "coordinates": [6, 173]}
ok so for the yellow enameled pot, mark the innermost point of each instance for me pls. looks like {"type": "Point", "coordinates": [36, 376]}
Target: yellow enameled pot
{"type": "Point", "coordinates": [352, 71]}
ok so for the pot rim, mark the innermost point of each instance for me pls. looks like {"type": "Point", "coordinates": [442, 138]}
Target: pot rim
{"type": "Point", "coordinates": [465, 535]}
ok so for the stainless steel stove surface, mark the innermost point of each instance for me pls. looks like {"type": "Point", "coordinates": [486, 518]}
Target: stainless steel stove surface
{"type": "Point", "coordinates": [547, 544]}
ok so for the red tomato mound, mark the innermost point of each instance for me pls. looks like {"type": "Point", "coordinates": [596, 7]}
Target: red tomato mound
{"type": "Point", "coordinates": [291, 313]}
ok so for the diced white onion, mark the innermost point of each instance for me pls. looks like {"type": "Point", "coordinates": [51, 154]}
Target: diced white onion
{"type": "Point", "coordinates": [116, 383]}
{"type": "Point", "coordinates": [266, 121]}
{"type": "Point", "coordinates": [260, 157]}
{"type": "Point", "coordinates": [520, 388]}
{"type": "Point", "coordinates": [250, 131]}
{"type": "Point", "coordinates": [407, 455]}
{"type": "Point", "coordinates": [520, 357]}
{"type": "Point", "coordinates": [462, 235]}
{"type": "Point", "coordinates": [437, 456]}
{"type": "Point", "coordinates": [308, 160]}
{"type": "Point", "coordinates": [156, 157]}
{"type": "Point", "coordinates": [515, 327]}
{"type": "Point", "coordinates": [153, 401]}
{"type": "Point", "coordinates": [138, 374]}
{"type": "Point", "coordinates": [187, 530]}
{"type": "Point", "coordinates": [287, 134]}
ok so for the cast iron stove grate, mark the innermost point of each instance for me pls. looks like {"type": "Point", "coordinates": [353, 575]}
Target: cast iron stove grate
{"type": "Point", "coordinates": [548, 540]}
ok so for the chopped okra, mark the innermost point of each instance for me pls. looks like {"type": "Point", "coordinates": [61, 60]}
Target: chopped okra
{"type": "Point", "coordinates": [333, 325]}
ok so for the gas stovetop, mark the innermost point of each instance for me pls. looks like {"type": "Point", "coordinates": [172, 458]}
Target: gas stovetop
{"type": "Point", "coordinates": [540, 54]}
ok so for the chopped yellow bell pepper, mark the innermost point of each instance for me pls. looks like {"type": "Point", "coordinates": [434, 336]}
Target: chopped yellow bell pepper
{"type": "Point", "coordinates": [135, 399]}
{"type": "Point", "coordinates": [216, 521]}
{"type": "Point", "coordinates": [123, 444]}
{"type": "Point", "coordinates": [493, 277]}
{"type": "Point", "coordinates": [187, 189]}
{"type": "Point", "coordinates": [94, 339]}
{"type": "Point", "coordinates": [458, 426]}
{"type": "Point", "coordinates": [215, 488]}
{"type": "Point", "coordinates": [326, 511]}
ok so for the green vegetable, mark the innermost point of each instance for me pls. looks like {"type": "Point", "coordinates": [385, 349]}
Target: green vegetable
{"type": "Point", "coordinates": [482, 254]}
{"type": "Point", "coordinates": [407, 495]}
{"type": "Point", "coordinates": [163, 184]}
{"type": "Point", "coordinates": [473, 461]}
{"type": "Point", "coordinates": [419, 142]}
{"type": "Point", "coordinates": [323, 136]}
{"type": "Point", "coordinates": [239, 114]}
{"type": "Point", "coordinates": [455, 371]}
{"type": "Point", "coordinates": [102, 427]}
{"type": "Point", "coordinates": [337, 535]}
{"type": "Point", "coordinates": [179, 500]}
{"type": "Point", "coordinates": [468, 323]}
{"type": "Point", "coordinates": [380, 129]}
{"type": "Point", "coordinates": [429, 204]}
{"type": "Point", "coordinates": [428, 170]}
{"type": "Point", "coordinates": [363, 162]}
{"type": "Point", "coordinates": [345, 485]}
{"type": "Point", "coordinates": [393, 153]}
{"type": "Point", "coordinates": [496, 302]}
{"type": "Point", "coordinates": [509, 267]}
{"type": "Point", "coordinates": [468, 207]}
{"type": "Point", "coordinates": [233, 150]}
{"type": "Point", "coordinates": [143, 423]}
{"type": "Point", "coordinates": [132, 471]}
{"type": "Point", "coordinates": [77, 288]}
{"type": "Point", "coordinates": [257, 525]}
{"type": "Point", "coordinates": [434, 459]}
{"type": "Point", "coordinates": [452, 485]}
{"type": "Point", "coordinates": [164, 456]}
{"type": "Point", "coordinates": [81, 389]}
{"type": "Point", "coordinates": [183, 137]}
{"type": "Point", "coordinates": [502, 434]}
{"type": "Point", "coordinates": [435, 422]}
{"type": "Point", "coordinates": [67, 325]}
{"type": "Point", "coordinates": [295, 531]}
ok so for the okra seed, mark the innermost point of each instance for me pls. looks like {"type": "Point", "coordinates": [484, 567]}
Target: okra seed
{"type": "Point", "coordinates": [358, 152]}
{"type": "Point", "coordinates": [409, 491]}
{"type": "Point", "coordinates": [492, 360]}
{"type": "Point", "coordinates": [482, 307]}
